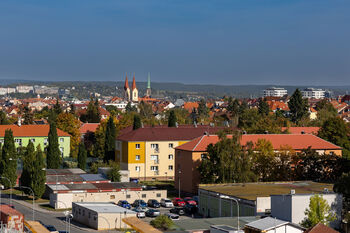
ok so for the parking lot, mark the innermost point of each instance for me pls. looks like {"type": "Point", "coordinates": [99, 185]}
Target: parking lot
{"type": "Point", "coordinates": [164, 210]}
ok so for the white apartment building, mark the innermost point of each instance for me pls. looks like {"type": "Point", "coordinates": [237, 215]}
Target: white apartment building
{"type": "Point", "coordinates": [275, 92]}
{"type": "Point", "coordinates": [24, 89]}
{"type": "Point", "coordinates": [7, 90]}
{"type": "Point", "coordinates": [313, 93]}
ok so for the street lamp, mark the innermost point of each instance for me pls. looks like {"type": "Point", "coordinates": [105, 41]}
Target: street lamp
{"type": "Point", "coordinates": [179, 183]}
{"type": "Point", "coordinates": [33, 198]}
{"type": "Point", "coordinates": [66, 213]}
{"type": "Point", "coordinates": [3, 177]}
{"type": "Point", "coordinates": [70, 216]}
{"type": "Point", "coordinates": [232, 199]}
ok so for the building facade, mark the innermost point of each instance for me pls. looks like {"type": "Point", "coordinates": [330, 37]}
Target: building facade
{"type": "Point", "coordinates": [275, 92]}
{"type": "Point", "coordinates": [313, 93]}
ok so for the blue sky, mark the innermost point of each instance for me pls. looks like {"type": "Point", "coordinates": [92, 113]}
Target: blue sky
{"type": "Point", "coordinates": [190, 41]}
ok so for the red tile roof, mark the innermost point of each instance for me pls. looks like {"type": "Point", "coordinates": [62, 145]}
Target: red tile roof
{"type": "Point", "coordinates": [165, 133]}
{"type": "Point", "coordinates": [30, 131]}
{"type": "Point", "coordinates": [84, 128]}
{"type": "Point", "coordinates": [321, 228]}
{"type": "Point", "coordinates": [302, 130]}
{"type": "Point", "coordinates": [189, 106]}
{"type": "Point", "coordinates": [296, 141]}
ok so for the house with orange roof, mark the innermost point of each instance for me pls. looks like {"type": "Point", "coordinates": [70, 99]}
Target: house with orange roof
{"type": "Point", "coordinates": [301, 130]}
{"type": "Point", "coordinates": [88, 127]}
{"type": "Point", "coordinates": [188, 156]}
{"type": "Point", "coordinates": [277, 105]}
{"type": "Point", "coordinates": [38, 134]}
{"type": "Point", "coordinates": [189, 106]}
{"type": "Point", "coordinates": [340, 107]}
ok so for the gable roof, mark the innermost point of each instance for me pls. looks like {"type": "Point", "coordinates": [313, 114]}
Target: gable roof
{"type": "Point", "coordinates": [321, 228]}
{"type": "Point", "coordinates": [269, 223]}
{"type": "Point", "coordinates": [296, 141]}
{"type": "Point", "coordinates": [30, 131]}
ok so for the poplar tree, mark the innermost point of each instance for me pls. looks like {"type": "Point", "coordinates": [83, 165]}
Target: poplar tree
{"type": "Point", "coordinates": [28, 166]}
{"type": "Point", "coordinates": [110, 140]}
{"type": "Point", "coordinates": [82, 154]}
{"type": "Point", "coordinates": [53, 151]}
{"type": "Point", "coordinates": [172, 119]}
{"type": "Point", "coordinates": [39, 175]}
{"type": "Point", "coordinates": [8, 163]}
{"type": "Point", "coordinates": [137, 122]}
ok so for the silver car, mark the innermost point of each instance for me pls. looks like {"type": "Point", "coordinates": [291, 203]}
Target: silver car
{"type": "Point", "coordinates": [165, 202]}
{"type": "Point", "coordinates": [172, 216]}
{"type": "Point", "coordinates": [140, 213]}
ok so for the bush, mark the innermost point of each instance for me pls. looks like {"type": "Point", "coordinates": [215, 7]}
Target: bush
{"type": "Point", "coordinates": [114, 174]}
{"type": "Point", "coordinates": [162, 222]}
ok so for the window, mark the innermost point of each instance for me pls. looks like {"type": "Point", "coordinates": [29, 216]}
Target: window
{"type": "Point", "coordinates": [137, 157]}
{"type": "Point", "coordinates": [62, 151]}
{"type": "Point", "coordinates": [89, 214]}
{"type": "Point", "coordinates": [45, 141]}
{"type": "Point", "coordinates": [137, 168]}
{"type": "Point", "coordinates": [112, 196]}
{"type": "Point", "coordinates": [83, 212]}
{"type": "Point", "coordinates": [19, 141]}
{"type": "Point", "coordinates": [171, 157]}
{"type": "Point", "coordinates": [203, 156]}
{"type": "Point", "coordinates": [171, 167]}
{"type": "Point", "coordinates": [154, 168]}
{"type": "Point", "coordinates": [128, 196]}
{"type": "Point", "coordinates": [159, 195]}
{"type": "Point", "coordinates": [137, 146]}
{"type": "Point", "coordinates": [143, 195]}
{"type": "Point", "coordinates": [154, 146]}
{"type": "Point", "coordinates": [79, 211]}
{"type": "Point", "coordinates": [33, 140]}
{"type": "Point", "coordinates": [171, 145]}
{"type": "Point", "coordinates": [154, 157]}
{"type": "Point", "coordinates": [61, 139]}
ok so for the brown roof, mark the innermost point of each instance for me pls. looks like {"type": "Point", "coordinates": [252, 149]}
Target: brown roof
{"type": "Point", "coordinates": [84, 128]}
{"type": "Point", "coordinates": [165, 133]}
{"type": "Point", "coordinates": [302, 130]}
{"type": "Point", "coordinates": [296, 141]}
{"type": "Point", "coordinates": [321, 228]}
{"type": "Point", "coordinates": [30, 131]}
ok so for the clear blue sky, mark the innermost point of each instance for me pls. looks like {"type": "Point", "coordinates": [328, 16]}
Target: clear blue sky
{"type": "Point", "coordinates": [191, 41]}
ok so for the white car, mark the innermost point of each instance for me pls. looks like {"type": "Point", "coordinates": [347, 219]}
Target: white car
{"type": "Point", "coordinates": [165, 202]}
{"type": "Point", "coordinates": [172, 216]}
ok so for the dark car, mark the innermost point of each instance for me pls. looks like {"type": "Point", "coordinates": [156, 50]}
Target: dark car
{"type": "Point", "coordinates": [177, 210]}
{"type": "Point", "coordinates": [138, 203]}
{"type": "Point", "coordinates": [124, 204]}
{"type": "Point", "coordinates": [152, 213]}
{"type": "Point", "coordinates": [51, 228]}
{"type": "Point", "coordinates": [191, 209]}
{"type": "Point", "coordinates": [153, 203]}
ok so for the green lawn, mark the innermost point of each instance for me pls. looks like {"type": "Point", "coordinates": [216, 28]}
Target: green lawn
{"type": "Point", "coordinates": [168, 185]}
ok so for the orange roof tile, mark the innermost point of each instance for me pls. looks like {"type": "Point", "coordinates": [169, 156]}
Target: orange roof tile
{"type": "Point", "coordinates": [30, 131]}
{"type": "Point", "coordinates": [190, 105]}
{"type": "Point", "coordinates": [296, 141]}
{"type": "Point", "coordinates": [126, 84]}
{"type": "Point", "coordinates": [321, 228]}
{"type": "Point", "coordinates": [302, 130]}
{"type": "Point", "coordinates": [84, 128]}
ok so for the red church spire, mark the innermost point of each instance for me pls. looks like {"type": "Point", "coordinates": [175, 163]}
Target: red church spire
{"type": "Point", "coordinates": [126, 84]}
{"type": "Point", "coordinates": [133, 83]}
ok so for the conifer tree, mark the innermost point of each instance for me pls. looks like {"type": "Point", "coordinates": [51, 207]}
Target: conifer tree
{"type": "Point", "coordinates": [28, 116]}
{"type": "Point", "coordinates": [82, 154]}
{"type": "Point", "coordinates": [53, 151]}
{"type": "Point", "coordinates": [298, 106]}
{"type": "Point", "coordinates": [57, 108]}
{"type": "Point", "coordinates": [172, 119]}
{"type": "Point", "coordinates": [28, 166]}
{"type": "Point", "coordinates": [263, 108]}
{"type": "Point", "coordinates": [93, 112]}
{"type": "Point", "coordinates": [39, 175]}
{"type": "Point", "coordinates": [137, 122]}
{"type": "Point", "coordinates": [8, 163]}
{"type": "Point", "coordinates": [110, 140]}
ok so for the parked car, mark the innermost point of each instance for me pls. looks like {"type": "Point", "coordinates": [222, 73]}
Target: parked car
{"type": "Point", "coordinates": [152, 213]}
{"type": "Point", "coordinates": [51, 228]}
{"type": "Point", "coordinates": [124, 204]}
{"type": "Point", "coordinates": [190, 201]}
{"type": "Point", "coordinates": [191, 209]}
{"type": "Point", "coordinates": [140, 213]}
{"type": "Point", "coordinates": [178, 201]}
{"type": "Point", "coordinates": [153, 203]}
{"type": "Point", "coordinates": [177, 210]}
{"type": "Point", "coordinates": [172, 216]}
{"type": "Point", "coordinates": [138, 203]}
{"type": "Point", "coordinates": [196, 199]}
{"type": "Point", "coordinates": [165, 202]}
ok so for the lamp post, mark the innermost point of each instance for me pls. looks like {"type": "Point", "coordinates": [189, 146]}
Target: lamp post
{"type": "Point", "coordinates": [70, 216]}
{"type": "Point", "coordinates": [66, 213]}
{"type": "Point", "coordinates": [3, 177]}
{"type": "Point", "coordinates": [33, 198]}
{"type": "Point", "coordinates": [232, 199]}
{"type": "Point", "coordinates": [179, 184]}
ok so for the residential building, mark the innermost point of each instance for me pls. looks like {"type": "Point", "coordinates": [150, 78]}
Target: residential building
{"type": "Point", "coordinates": [188, 156]}
{"type": "Point", "coordinates": [275, 92]}
{"type": "Point", "coordinates": [272, 225]}
{"type": "Point", "coordinates": [220, 200]}
{"type": "Point", "coordinates": [62, 195]}
{"type": "Point", "coordinates": [314, 93]}
{"type": "Point", "coordinates": [24, 89]}
{"type": "Point", "coordinates": [7, 90]}
{"type": "Point", "coordinates": [88, 127]}
{"type": "Point", "coordinates": [291, 207]}
{"type": "Point", "coordinates": [148, 152]}
{"type": "Point", "coordinates": [301, 130]}
{"type": "Point", "coordinates": [101, 215]}
{"type": "Point", "coordinates": [38, 134]}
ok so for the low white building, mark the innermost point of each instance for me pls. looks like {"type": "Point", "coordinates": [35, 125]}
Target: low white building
{"type": "Point", "coordinates": [101, 216]}
{"type": "Point", "coordinates": [24, 89]}
{"type": "Point", "coordinates": [292, 207]}
{"type": "Point", "coordinates": [272, 225]}
{"type": "Point", "coordinates": [313, 93]}
{"type": "Point", "coordinates": [275, 92]}
{"type": "Point", "coordinates": [7, 90]}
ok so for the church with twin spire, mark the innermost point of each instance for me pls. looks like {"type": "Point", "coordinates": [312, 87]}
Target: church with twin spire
{"type": "Point", "coordinates": [133, 94]}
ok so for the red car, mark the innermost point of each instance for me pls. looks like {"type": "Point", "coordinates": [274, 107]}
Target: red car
{"type": "Point", "coordinates": [178, 202]}
{"type": "Point", "coordinates": [190, 201]}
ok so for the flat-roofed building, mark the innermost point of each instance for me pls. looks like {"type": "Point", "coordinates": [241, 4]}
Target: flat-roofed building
{"type": "Point", "coordinates": [314, 93]}
{"type": "Point", "coordinates": [275, 92]}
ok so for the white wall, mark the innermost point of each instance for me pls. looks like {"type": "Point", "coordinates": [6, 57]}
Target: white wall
{"type": "Point", "coordinates": [262, 204]}
{"type": "Point", "coordinates": [285, 229]}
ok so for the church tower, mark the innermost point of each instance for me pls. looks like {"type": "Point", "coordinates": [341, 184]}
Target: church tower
{"type": "Point", "coordinates": [148, 90]}
{"type": "Point", "coordinates": [134, 92]}
{"type": "Point", "coordinates": [126, 89]}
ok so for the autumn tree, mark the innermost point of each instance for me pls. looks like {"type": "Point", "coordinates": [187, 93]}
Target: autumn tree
{"type": "Point", "coordinates": [318, 212]}
{"type": "Point", "coordinates": [92, 114]}
{"type": "Point", "coordinates": [53, 158]}
{"type": "Point", "coordinates": [70, 124]}
{"type": "Point", "coordinates": [298, 106]}
{"type": "Point", "coordinates": [264, 160]}
{"type": "Point", "coordinates": [8, 162]}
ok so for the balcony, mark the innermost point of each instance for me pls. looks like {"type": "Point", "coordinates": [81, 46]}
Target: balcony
{"type": "Point", "coordinates": [156, 173]}
{"type": "Point", "coordinates": [156, 161]}
{"type": "Point", "coordinates": [156, 150]}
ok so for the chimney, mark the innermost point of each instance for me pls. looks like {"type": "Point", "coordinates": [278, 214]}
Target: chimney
{"type": "Point", "coordinates": [206, 133]}
{"type": "Point", "coordinates": [195, 124]}
{"type": "Point", "coordinates": [266, 132]}
{"type": "Point", "coordinates": [19, 122]}
{"type": "Point", "coordinates": [176, 125]}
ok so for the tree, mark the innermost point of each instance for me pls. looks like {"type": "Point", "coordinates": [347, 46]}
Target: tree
{"type": "Point", "coordinates": [114, 172]}
{"type": "Point", "coordinates": [264, 160]}
{"type": "Point", "coordinates": [3, 119]}
{"type": "Point", "coordinates": [70, 124]}
{"type": "Point", "coordinates": [57, 108]}
{"type": "Point", "coordinates": [8, 163]}
{"type": "Point", "coordinates": [28, 116]}
{"type": "Point", "coordinates": [72, 109]}
{"type": "Point", "coordinates": [82, 154]}
{"type": "Point", "coordinates": [39, 175]}
{"type": "Point", "coordinates": [162, 222]}
{"type": "Point", "coordinates": [336, 131]}
{"type": "Point", "coordinates": [318, 212]}
{"type": "Point", "coordinates": [172, 119]}
{"type": "Point", "coordinates": [263, 107]}
{"type": "Point", "coordinates": [137, 122]}
{"type": "Point", "coordinates": [343, 186]}
{"type": "Point", "coordinates": [92, 113]}
{"type": "Point", "coordinates": [53, 152]}
{"type": "Point", "coordinates": [203, 110]}
{"type": "Point", "coordinates": [325, 111]}
{"type": "Point", "coordinates": [109, 146]}
{"type": "Point", "coordinates": [129, 108]}
{"type": "Point", "coordinates": [233, 106]}
{"type": "Point", "coordinates": [28, 165]}
{"type": "Point", "coordinates": [298, 106]}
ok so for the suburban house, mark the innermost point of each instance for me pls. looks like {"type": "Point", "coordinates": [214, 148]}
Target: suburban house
{"type": "Point", "coordinates": [148, 152]}
{"type": "Point", "coordinates": [188, 156]}
{"type": "Point", "coordinates": [38, 134]}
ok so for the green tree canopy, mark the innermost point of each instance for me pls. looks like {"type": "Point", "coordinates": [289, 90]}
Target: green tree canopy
{"type": "Point", "coordinates": [114, 172]}
{"type": "Point", "coordinates": [172, 119]}
{"type": "Point", "coordinates": [28, 116]}
{"type": "Point", "coordinates": [110, 136]}
{"type": "Point", "coordinates": [82, 155]}
{"type": "Point", "coordinates": [39, 175]}
{"type": "Point", "coordinates": [298, 106]}
{"type": "Point", "coordinates": [3, 118]}
{"type": "Point", "coordinates": [8, 163]}
{"type": "Point", "coordinates": [137, 122]}
{"type": "Point", "coordinates": [28, 166]}
{"type": "Point", "coordinates": [162, 222]}
{"type": "Point", "coordinates": [263, 107]}
{"type": "Point", "coordinates": [53, 152]}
